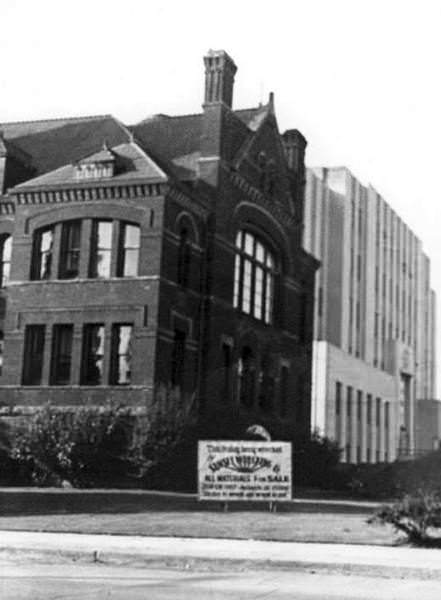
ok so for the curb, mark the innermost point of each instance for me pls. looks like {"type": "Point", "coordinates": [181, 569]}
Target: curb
{"type": "Point", "coordinates": [212, 564]}
{"type": "Point", "coordinates": [220, 554]}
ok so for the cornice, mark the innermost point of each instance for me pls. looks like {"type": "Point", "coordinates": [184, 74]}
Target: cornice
{"type": "Point", "coordinates": [87, 193]}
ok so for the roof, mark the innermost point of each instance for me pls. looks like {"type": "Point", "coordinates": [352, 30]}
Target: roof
{"type": "Point", "coordinates": [53, 143]}
{"type": "Point", "coordinates": [179, 139]}
{"type": "Point", "coordinates": [172, 144]}
{"type": "Point", "coordinates": [131, 161]}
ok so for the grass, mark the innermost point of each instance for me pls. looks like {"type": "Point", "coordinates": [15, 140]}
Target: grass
{"type": "Point", "coordinates": [149, 514]}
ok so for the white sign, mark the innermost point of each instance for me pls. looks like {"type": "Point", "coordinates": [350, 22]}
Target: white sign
{"type": "Point", "coordinates": [245, 470]}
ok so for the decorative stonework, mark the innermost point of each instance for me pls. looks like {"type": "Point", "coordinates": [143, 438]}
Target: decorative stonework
{"type": "Point", "coordinates": [256, 196]}
{"type": "Point", "coordinates": [7, 208]}
{"type": "Point", "coordinates": [81, 194]}
{"type": "Point", "coordinates": [191, 204]}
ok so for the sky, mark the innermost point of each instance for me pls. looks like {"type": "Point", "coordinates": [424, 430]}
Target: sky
{"type": "Point", "coordinates": [359, 78]}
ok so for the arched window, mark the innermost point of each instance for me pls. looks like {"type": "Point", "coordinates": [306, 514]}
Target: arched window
{"type": "Point", "coordinates": [5, 266]}
{"type": "Point", "coordinates": [254, 277]}
{"type": "Point", "coordinates": [184, 258]}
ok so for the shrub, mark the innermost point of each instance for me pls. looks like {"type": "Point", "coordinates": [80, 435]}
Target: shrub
{"type": "Point", "coordinates": [315, 461]}
{"type": "Point", "coordinates": [9, 469]}
{"type": "Point", "coordinates": [415, 515]}
{"type": "Point", "coordinates": [99, 446]}
{"type": "Point", "coordinates": [86, 446]}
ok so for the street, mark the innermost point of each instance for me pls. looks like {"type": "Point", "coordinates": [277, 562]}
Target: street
{"type": "Point", "coordinates": [29, 581]}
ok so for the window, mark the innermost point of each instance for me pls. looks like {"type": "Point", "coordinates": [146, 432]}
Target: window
{"type": "Point", "coordinates": [129, 250]}
{"type": "Point", "coordinates": [178, 359]}
{"type": "Point", "coordinates": [33, 354]}
{"type": "Point", "coordinates": [93, 354]}
{"type": "Point", "coordinates": [349, 401]}
{"type": "Point", "coordinates": [369, 409]}
{"type": "Point", "coordinates": [61, 354]}
{"type": "Point", "coordinates": [254, 277]}
{"type": "Point", "coordinates": [70, 250]}
{"type": "Point", "coordinates": [2, 347]}
{"type": "Point", "coordinates": [338, 410]}
{"type": "Point", "coordinates": [300, 400]}
{"type": "Point", "coordinates": [337, 398]}
{"type": "Point", "coordinates": [266, 386]}
{"type": "Point", "coordinates": [100, 250]}
{"type": "Point", "coordinates": [184, 258]}
{"type": "Point", "coordinates": [226, 366]}
{"type": "Point", "coordinates": [42, 254]}
{"type": "Point", "coordinates": [121, 355]}
{"type": "Point", "coordinates": [5, 260]}
{"type": "Point", "coordinates": [359, 404]}
{"type": "Point", "coordinates": [377, 412]}
{"type": "Point", "coordinates": [245, 374]}
{"type": "Point", "coordinates": [284, 374]}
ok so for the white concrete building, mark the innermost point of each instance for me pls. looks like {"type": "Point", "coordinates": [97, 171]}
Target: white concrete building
{"type": "Point", "coordinates": [374, 349]}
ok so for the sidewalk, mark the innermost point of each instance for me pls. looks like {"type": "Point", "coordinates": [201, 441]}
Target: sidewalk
{"type": "Point", "coordinates": [108, 548]}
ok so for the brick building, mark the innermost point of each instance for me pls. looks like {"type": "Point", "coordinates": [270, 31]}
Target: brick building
{"type": "Point", "coordinates": [168, 252]}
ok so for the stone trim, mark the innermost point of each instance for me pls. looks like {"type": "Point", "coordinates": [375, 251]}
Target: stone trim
{"type": "Point", "coordinates": [258, 197]}
{"type": "Point", "coordinates": [87, 194]}
{"type": "Point", "coordinates": [7, 208]}
{"type": "Point", "coordinates": [190, 204]}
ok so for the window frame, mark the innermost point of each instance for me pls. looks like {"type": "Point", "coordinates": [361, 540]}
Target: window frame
{"type": "Point", "coordinates": [115, 354]}
{"type": "Point", "coordinates": [184, 258]}
{"type": "Point", "coordinates": [40, 256]}
{"type": "Point", "coordinates": [124, 249]}
{"type": "Point", "coordinates": [33, 354]}
{"type": "Point", "coordinates": [97, 250]}
{"type": "Point", "coordinates": [254, 276]}
{"type": "Point", "coordinates": [5, 262]}
{"type": "Point", "coordinates": [70, 249]}
{"type": "Point", "coordinates": [87, 355]}
{"type": "Point", "coordinates": [58, 361]}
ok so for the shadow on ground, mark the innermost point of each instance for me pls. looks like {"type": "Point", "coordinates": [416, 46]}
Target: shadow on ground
{"type": "Point", "coordinates": [37, 501]}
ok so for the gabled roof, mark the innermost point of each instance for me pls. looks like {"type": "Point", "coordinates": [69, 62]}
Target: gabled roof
{"type": "Point", "coordinates": [132, 164]}
{"type": "Point", "coordinates": [102, 156]}
{"type": "Point", "coordinates": [178, 139]}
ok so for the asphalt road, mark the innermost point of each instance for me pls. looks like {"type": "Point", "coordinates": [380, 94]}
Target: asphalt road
{"type": "Point", "coordinates": [91, 582]}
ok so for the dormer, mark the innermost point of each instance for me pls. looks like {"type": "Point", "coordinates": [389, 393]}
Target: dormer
{"type": "Point", "coordinates": [100, 165]}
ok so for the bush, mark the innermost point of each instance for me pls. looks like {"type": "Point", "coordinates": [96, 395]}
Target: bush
{"type": "Point", "coordinates": [9, 469]}
{"type": "Point", "coordinates": [391, 480]}
{"type": "Point", "coordinates": [98, 446]}
{"type": "Point", "coordinates": [85, 447]}
{"type": "Point", "coordinates": [416, 515]}
{"type": "Point", "coordinates": [315, 461]}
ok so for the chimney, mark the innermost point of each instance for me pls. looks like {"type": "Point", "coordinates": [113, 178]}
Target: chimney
{"type": "Point", "coordinates": [295, 145]}
{"type": "Point", "coordinates": [219, 78]}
